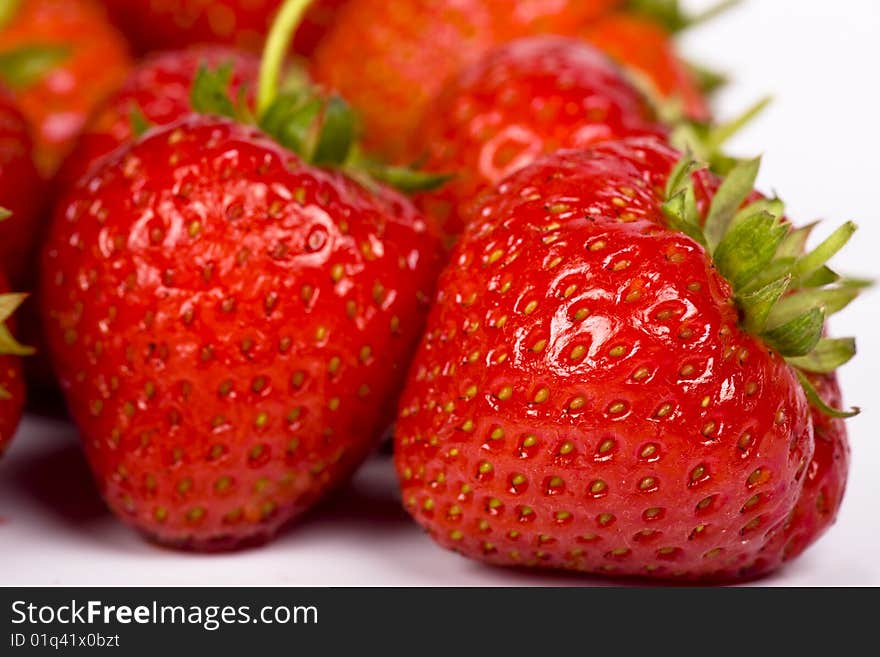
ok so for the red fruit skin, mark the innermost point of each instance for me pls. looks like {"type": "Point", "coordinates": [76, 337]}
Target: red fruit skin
{"type": "Point", "coordinates": [824, 484]}
{"type": "Point", "coordinates": [648, 50]}
{"type": "Point", "coordinates": [230, 327]}
{"type": "Point", "coordinates": [318, 20]}
{"type": "Point", "coordinates": [159, 87]}
{"type": "Point", "coordinates": [58, 105]}
{"type": "Point", "coordinates": [583, 397]}
{"type": "Point", "coordinates": [20, 190]}
{"type": "Point", "coordinates": [12, 400]}
{"type": "Point", "coordinates": [391, 59]}
{"type": "Point", "coordinates": [12, 388]}
{"type": "Point", "coordinates": [527, 98]}
{"type": "Point", "coordinates": [167, 24]}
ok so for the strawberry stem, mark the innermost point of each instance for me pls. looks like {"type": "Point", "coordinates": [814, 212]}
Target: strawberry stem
{"type": "Point", "coordinates": [284, 27]}
{"type": "Point", "coordinates": [321, 129]}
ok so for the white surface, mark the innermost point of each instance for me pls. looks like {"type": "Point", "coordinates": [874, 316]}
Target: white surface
{"type": "Point", "coordinates": [822, 154]}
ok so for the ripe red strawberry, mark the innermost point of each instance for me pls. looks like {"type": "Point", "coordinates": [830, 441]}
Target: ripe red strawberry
{"type": "Point", "coordinates": [20, 190]}
{"type": "Point", "coordinates": [157, 92]}
{"type": "Point", "coordinates": [648, 49]}
{"type": "Point", "coordinates": [12, 389]}
{"type": "Point", "coordinates": [231, 323]}
{"type": "Point", "coordinates": [524, 99]}
{"type": "Point", "coordinates": [172, 24]}
{"type": "Point", "coordinates": [61, 58]}
{"type": "Point", "coordinates": [596, 392]}
{"type": "Point", "coordinates": [824, 483]}
{"type": "Point", "coordinates": [390, 59]}
{"type": "Point", "coordinates": [230, 327]}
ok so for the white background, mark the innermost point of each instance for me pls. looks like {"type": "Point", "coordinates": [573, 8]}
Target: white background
{"type": "Point", "coordinates": [821, 143]}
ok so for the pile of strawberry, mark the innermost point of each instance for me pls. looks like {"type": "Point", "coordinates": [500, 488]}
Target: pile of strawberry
{"type": "Point", "coordinates": [601, 350]}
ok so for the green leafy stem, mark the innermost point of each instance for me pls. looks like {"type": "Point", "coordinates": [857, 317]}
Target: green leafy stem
{"type": "Point", "coordinates": [670, 14]}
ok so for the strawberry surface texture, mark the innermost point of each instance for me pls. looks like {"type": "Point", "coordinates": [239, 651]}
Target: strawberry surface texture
{"type": "Point", "coordinates": [524, 99]}
{"type": "Point", "coordinates": [586, 396]}
{"type": "Point", "coordinates": [230, 327]}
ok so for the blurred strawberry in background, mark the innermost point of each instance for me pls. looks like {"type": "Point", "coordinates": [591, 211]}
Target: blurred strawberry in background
{"type": "Point", "coordinates": [527, 98]}
{"type": "Point", "coordinates": [390, 59]}
{"type": "Point", "coordinates": [164, 24]}
{"type": "Point", "coordinates": [646, 47]}
{"type": "Point", "coordinates": [60, 58]}
{"type": "Point", "coordinates": [20, 189]}
{"type": "Point", "coordinates": [156, 92]}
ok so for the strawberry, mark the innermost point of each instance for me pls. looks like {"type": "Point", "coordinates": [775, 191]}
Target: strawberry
{"type": "Point", "coordinates": [648, 50]}
{"type": "Point", "coordinates": [61, 58]}
{"type": "Point", "coordinates": [156, 92]}
{"type": "Point", "coordinates": [12, 389]}
{"type": "Point", "coordinates": [320, 18]}
{"type": "Point", "coordinates": [824, 483]}
{"type": "Point", "coordinates": [614, 376]}
{"type": "Point", "coordinates": [390, 60]}
{"type": "Point", "coordinates": [531, 96]}
{"type": "Point", "coordinates": [229, 321]}
{"type": "Point", "coordinates": [20, 190]}
{"type": "Point", "coordinates": [173, 24]}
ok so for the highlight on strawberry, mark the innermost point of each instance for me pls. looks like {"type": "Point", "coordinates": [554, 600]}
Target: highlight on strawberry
{"type": "Point", "coordinates": [625, 372]}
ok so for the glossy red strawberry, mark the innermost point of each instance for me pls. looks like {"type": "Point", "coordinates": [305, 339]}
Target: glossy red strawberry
{"type": "Point", "coordinates": [61, 58]}
{"type": "Point", "coordinates": [230, 327]}
{"type": "Point", "coordinates": [594, 392]}
{"type": "Point", "coordinates": [824, 483]}
{"type": "Point", "coordinates": [168, 24]}
{"type": "Point", "coordinates": [20, 190]}
{"type": "Point", "coordinates": [648, 50]}
{"type": "Point", "coordinates": [390, 59]}
{"type": "Point", "coordinates": [524, 99]}
{"type": "Point", "coordinates": [157, 92]}
{"type": "Point", "coordinates": [12, 389]}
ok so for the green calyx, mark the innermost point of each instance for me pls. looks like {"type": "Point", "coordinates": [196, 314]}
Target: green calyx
{"type": "Point", "coordinates": [708, 80]}
{"type": "Point", "coordinates": [670, 14]}
{"type": "Point", "coordinates": [784, 293]}
{"type": "Point", "coordinates": [322, 129]}
{"type": "Point", "coordinates": [139, 123]}
{"type": "Point", "coordinates": [706, 141]}
{"type": "Point", "coordinates": [9, 303]}
{"type": "Point", "coordinates": [24, 66]}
